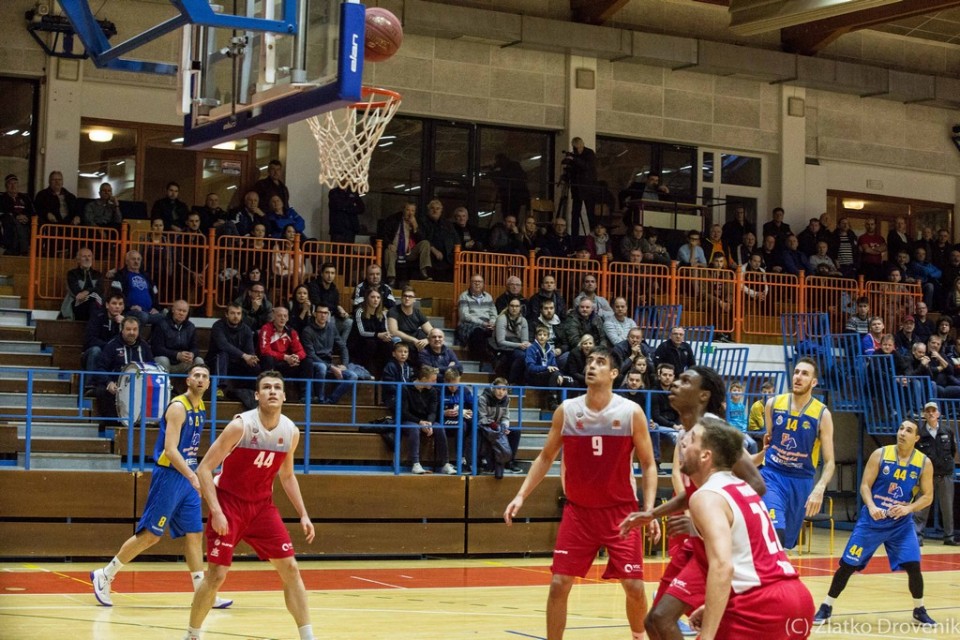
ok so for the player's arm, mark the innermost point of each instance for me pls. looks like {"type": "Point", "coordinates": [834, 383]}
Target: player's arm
{"type": "Point", "coordinates": [924, 500]}
{"type": "Point", "coordinates": [675, 478]}
{"type": "Point", "coordinates": [288, 480]}
{"type": "Point", "coordinates": [815, 500]}
{"type": "Point", "coordinates": [648, 466]}
{"type": "Point", "coordinates": [705, 507]}
{"type": "Point", "coordinates": [870, 472]}
{"type": "Point", "coordinates": [540, 466]}
{"type": "Point", "coordinates": [746, 469]}
{"type": "Point", "coordinates": [760, 455]}
{"type": "Point", "coordinates": [228, 439]}
{"type": "Point", "coordinates": [175, 416]}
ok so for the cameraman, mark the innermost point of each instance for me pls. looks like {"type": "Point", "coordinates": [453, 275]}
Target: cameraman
{"type": "Point", "coordinates": [580, 168]}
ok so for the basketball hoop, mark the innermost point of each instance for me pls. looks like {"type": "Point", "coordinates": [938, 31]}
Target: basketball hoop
{"type": "Point", "coordinates": [346, 138]}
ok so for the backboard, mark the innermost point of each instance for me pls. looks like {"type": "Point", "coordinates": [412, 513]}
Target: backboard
{"type": "Point", "coordinates": [238, 79]}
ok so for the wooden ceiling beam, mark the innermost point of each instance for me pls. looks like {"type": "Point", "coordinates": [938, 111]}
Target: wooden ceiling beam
{"type": "Point", "coordinates": [595, 11]}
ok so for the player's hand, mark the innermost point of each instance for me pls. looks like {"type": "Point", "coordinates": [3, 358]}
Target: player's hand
{"type": "Point", "coordinates": [653, 531]}
{"type": "Point", "coordinates": [308, 531]}
{"type": "Point", "coordinates": [194, 481]}
{"type": "Point", "coordinates": [814, 502]}
{"type": "Point", "coordinates": [634, 520]}
{"type": "Point", "coordinates": [696, 618]}
{"type": "Point", "coordinates": [876, 512]}
{"type": "Point", "coordinates": [512, 510]}
{"type": "Point", "coordinates": [898, 511]}
{"type": "Point", "coordinates": [218, 522]}
{"type": "Point", "coordinates": [679, 525]}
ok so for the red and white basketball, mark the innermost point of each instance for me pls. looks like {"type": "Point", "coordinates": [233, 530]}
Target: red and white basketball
{"type": "Point", "coordinates": [384, 35]}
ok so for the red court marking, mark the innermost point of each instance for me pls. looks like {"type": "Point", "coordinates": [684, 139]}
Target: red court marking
{"type": "Point", "coordinates": [266, 579]}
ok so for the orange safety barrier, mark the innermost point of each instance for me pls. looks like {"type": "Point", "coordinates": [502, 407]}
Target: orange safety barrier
{"type": "Point", "coordinates": [569, 273]}
{"type": "Point", "coordinates": [892, 301]}
{"type": "Point", "coordinates": [351, 261]}
{"type": "Point", "coordinates": [177, 263]}
{"type": "Point", "coordinates": [54, 250]}
{"type": "Point", "coordinates": [836, 297]}
{"type": "Point", "coordinates": [708, 297]}
{"type": "Point", "coordinates": [495, 269]}
{"type": "Point", "coordinates": [643, 285]}
{"type": "Point", "coordinates": [278, 264]}
{"type": "Point", "coordinates": [764, 298]}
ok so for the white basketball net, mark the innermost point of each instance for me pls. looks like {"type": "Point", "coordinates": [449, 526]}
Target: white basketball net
{"type": "Point", "coordinates": [347, 137]}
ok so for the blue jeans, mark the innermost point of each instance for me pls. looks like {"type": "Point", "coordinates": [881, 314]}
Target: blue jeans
{"type": "Point", "coordinates": [656, 432]}
{"type": "Point", "coordinates": [439, 445]}
{"type": "Point", "coordinates": [321, 372]}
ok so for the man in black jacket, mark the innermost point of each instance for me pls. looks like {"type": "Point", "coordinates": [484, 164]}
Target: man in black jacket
{"type": "Point", "coordinates": [84, 287]}
{"type": "Point", "coordinates": [323, 290]}
{"type": "Point", "coordinates": [319, 339]}
{"type": "Point", "coordinates": [120, 351]}
{"type": "Point", "coordinates": [419, 413]}
{"type": "Point", "coordinates": [676, 352]}
{"type": "Point", "coordinates": [174, 340]}
{"type": "Point", "coordinates": [938, 443]}
{"type": "Point", "coordinates": [233, 350]}
{"type": "Point", "coordinates": [56, 205]}
{"type": "Point", "coordinates": [102, 327]}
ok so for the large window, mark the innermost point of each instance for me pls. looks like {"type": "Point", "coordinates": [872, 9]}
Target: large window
{"type": "Point", "coordinates": [18, 129]}
{"type": "Point", "coordinates": [622, 162]}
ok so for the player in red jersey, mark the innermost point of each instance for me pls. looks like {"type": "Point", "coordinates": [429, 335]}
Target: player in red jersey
{"type": "Point", "coordinates": [599, 433]}
{"type": "Point", "coordinates": [696, 392]}
{"type": "Point", "coordinates": [752, 589]}
{"type": "Point", "coordinates": [255, 447]}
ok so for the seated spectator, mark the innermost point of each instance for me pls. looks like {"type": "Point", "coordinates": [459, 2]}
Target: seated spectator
{"type": "Point", "coordinates": [140, 294]}
{"type": "Point", "coordinates": [56, 205]}
{"type": "Point", "coordinates": [370, 342]}
{"type": "Point", "coordinates": [906, 336]}
{"type": "Point", "coordinates": [870, 341]}
{"type": "Point", "coordinates": [407, 322]}
{"type": "Point", "coordinates": [323, 290]}
{"type": "Point", "coordinates": [547, 291]}
{"type": "Point", "coordinates": [734, 232]}
{"type": "Point", "coordinates": [157, 253]}
{"type": "Point", "coordinates": [320, 339]}
{"type": "Point", "coordinates": [676, 352]}
{"type": "Point", "coordinates": [737, 414]}
{"type": "Point", "coordinates": [576, 363]}
{"type": "Point", "coordinates": [631, 242]}
{"type": "Point", "coordinates": [511, 338]}
{"type": "Point", "coordinates": [820, 258]}
{"type": "Point", "coordinates": [653, 251]}
{"type": "Point", "coordinates": [173, 340]}
{"type": "Point", "coordinates": [589, 292]}
{"type": "Point", "coordinates": [121, 350]}
{"type": "Point", "coordinates": [373, 280]}
{"type": "Point", "coordinates": [860, 321]}
{"type": "Point", "coordinates": [438, 355]}
{"type": "Point", "coordinates": [419, 407]}
{"type": "Point", "coordinates": [405, 243]}
{"type": "Point", "coordinates": [514, 292]}
{"type": "Point", "coordinates": [531, 237]}
{"type": "Point", "coordinates": [477, 315]}
{"type": "Point", "coordinates": [792, 260]}
{"type": "Point", "coordinates": [469, 236]}
{"type": "Point", "coordinates": [951, 301]}
{"type": "Point", "coordinates": [925, 327]}
{"type": "Point", "coordinates": [441, 236]}
{"type": "Point", "coordinates": [493, 423]}
{"type": "Point", "coordinates": [301, 309]}
{"type": "Point", "coordinates": [272, 184]}
{"type": "Point", "coordinates": [213, 216]}
{"type": "Point", "coordinates": [279, 217]}
{"type": "Point", "coordinates": [556, 241]}
{"type": "Point", "coordinates": [253, 276]}
{"type": "Point", "coordinates": [632, 351]}
{"type": "Point", "coordinates": [549, 320]}
{"type": "Point", "coordinates": [16, 209]}
{"type": "Point", "coordinates": [190, 261]}
{"type": "Point", "coordinates": [941, 369]}
{"type": "Point", "coordinates": [346, 207]}
{"type": "Point", "coordinates": [713, 245]}
{"type": "Point", "coordinates": [616, 327]}
{"type": "Point", "coordinates": [598, 243]}
{"type": "Point", "coordinates": [103, 325]}
{"type": "Point", "coordinates": [926, 274]}
{"type": "Point", "coordinates": [170, 208]}
{"type": "Point", "coordinates": [756, 425]}
{"type": "Point", "coordinates": [644, 367]}
{"type": "Point", "coordinates": [398, 370]}
{"type": "Point", "coordinates": [691, 254]}
{"type": "Point", "coordinates": [249, 213]}
{"type": "Point", "coordinates": [281, 350]}
{"type": "Point", "coordinates": [755, 285]}
{"type": "Point", "coordinates": [84, 284]}
{"type": "Point", "coordinates": [945, 329]}
{"type": "Point", "coordinates": [809, 238]}
{"type": "Point", "coordinates": [718, 295]}
{"type": "Point", "coordinates": [105, 211]}
{"type": "Point", "coordinates": [772, 255]}
{"type": "Point", "coordinates": [742, 252]}
{"type": "Point", "coordinates": [845, 251]}
{"type": "Point", "coordinates": [456, 400]}
{"type": "Point", "coordinates": [541, 368]}
{"type": "Point", "coordinates": [576, 325]}
{"type": "Point", "coordinates": [504, 236]}
{"type": "Point", "coordinates": [662, 413]}
{"type": "Point", "coordinates": [233, 350]}
{"type": "Point", "coordinates": [256, 308]}
{"type": "Point", "coordinates": [289, 262]}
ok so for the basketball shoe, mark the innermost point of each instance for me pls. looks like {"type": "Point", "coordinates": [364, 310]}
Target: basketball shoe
{"type": "Point", "coordinates": [823, 614]}
{"type": "Point", "coordinates": [101, 587]}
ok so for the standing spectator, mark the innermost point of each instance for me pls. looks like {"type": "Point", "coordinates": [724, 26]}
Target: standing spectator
{"type": "Point", "coordinates": [872, 247]}
{"type": "Point", "coordinates": [280, 348]}
{"type": "Point", "coordinates": [405, 242]}
{"type": "Point", "coordinates": [846, 250]}
{"type": "Point", "coordinates": [323, 290]}
{"type": "Point", "coordinates": [273, 185]}
{"type": "Point", "coordinates": [420, 407]}
{"type": "Point", "coordinates": [469, 236]}
{"type": "Point", "coordinates": [55, 204]}
{"type": "Point", "coordinates": [477, 314]}
{"type": "Point", "coordinates": [438, 355]}
{"type": "Point", "coordinates": [938, 443]}
{"type": "Point", "coordinates": [691, 254]}
{"type": "Point", "coordinates": [939, 253]}
{"type": "Point", "coordinates": [897, 239]}
{"type": "Point", "coordinates": [511, 339]}
{"type": "Point", "coordinates": [576, 325]}
{"type": "Point", "coordinates": [547, 291]}
{"type": "Point", "coordinates": [511, 182]}
{"type": "Point", "coordinates": [407, 322]}
{"type": "Point", "coordinates": [514, 292]}
{"type": "Point", "coordinates": [346, 207]}
{"type": "Point", "coordinates": [16, 209]}
{"type": "Point", "coordinates": [441, 236]}
{"type": "Point", "coordinates": [372, 281]}
{"type": "Point", "coordinates": [370, 342]}
{"type": "Point", "coordinates": [776, 227]}
{"type": "Point", "coordinates": [233, 351]}
{"type": "Point", "coordinates": [173, 340]}
{"type": "Point", "coordinates": [139, 292]}
{"type": "Point", "coordinates": [675, 351]}
{"type": "Point", "coordinates": [170, 208]}
{"type": "Point", "coordinates": [104, 212]}
{"type": "Point", "coordinates": [582, 171]}
{"type": "Point", "coordinates": [320, 339]}
{"type": "Point", "coordinates": [734, 231]}
{"type": "Point", "coordinates": [808, 239]}
{"type": "Point", "coordinates": [617, 326]}
{"type": "Point", "coordinates": [589, 292]}
{"type": "Point", "coordinates": [84, 285]}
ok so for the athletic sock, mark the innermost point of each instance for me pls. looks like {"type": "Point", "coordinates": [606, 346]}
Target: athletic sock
{"type": "Point", "coordinates": [112, 567]}
{"type": "Point", "coordinates": [197, 577]}
{"type": "Point", "coordinates": [639, 635]}
{"type": "Point", "coordinates": [829, 601]}
{"type": "Point", "coordinates": [306, 632]}
{"type": "Point", "coordinates": [193, 633]}
{"type": "Point", "coordinates": [917, 603]}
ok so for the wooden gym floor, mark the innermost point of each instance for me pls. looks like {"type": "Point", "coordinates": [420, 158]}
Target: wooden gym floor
{"type": "Point", "coordinates": [432, 599]}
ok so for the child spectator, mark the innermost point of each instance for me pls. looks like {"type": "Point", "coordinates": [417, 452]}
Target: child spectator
{"type": "Point", "coordinates": [452, 404]}
{"type": "Point", "coordinates": [542, 369]}
{"type": "Point", "coordinates": [397, 370]}
{"type": "Point", "coordinates": [756, 428]}
{"type": "Point", "coordinates": [499, 443]}
{"type": "Point", "coordinates": [737, 414]}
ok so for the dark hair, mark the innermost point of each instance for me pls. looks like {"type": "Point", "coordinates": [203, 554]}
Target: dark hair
{"type": "Point", "coordinates": [612, 356]}
{"type": "Point", "coordinates": [173, 184]}
{"type": "Point", "coordinates": [275, 163]}
{"type": "Point", "coordinates": [269, 374]}
{"type": "Point", "coordinates": [114, 296]}
{"type": "Point", "coordinates": [397, 345]}
{"type": "Point", "coordinates": [665, 365]}
{"type": "Point", "coordinates": [130, 320]}
{"type": "Point", "coordinates": [199, 365]}
{"type": "Point", "coordinates": [725, 442]}
{"type": "Point", "coordinates": [711, 381]}
{"type": "Point", "coordinates": [810, 361]}
{"type": "Point", "coordinates": [863, 300]}
{"type": "Point", "coordinates": [327, 265]}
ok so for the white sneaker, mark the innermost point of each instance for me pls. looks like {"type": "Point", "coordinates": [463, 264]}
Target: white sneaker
{"type": "Point", "coordinates": [221, 603]}
{"type": "Point", "coordinates": [101, 587]}
{"type": "Point", "coordinates": [449, 469]}
{"type": "Point", "coordinates": [418, 469]}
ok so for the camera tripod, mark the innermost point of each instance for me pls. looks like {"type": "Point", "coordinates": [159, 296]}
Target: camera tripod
{"type": "Point", "coordinates": [580, 220]}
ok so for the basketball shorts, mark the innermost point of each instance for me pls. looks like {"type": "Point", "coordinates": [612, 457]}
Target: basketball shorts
{"type": "Point", "coordinates": [171, 502]}
{"type": "Point", "coordinates": [786, 500]}
{"type": "Point", "coordinates": [781, 610]}
{"type": "Point", "coordinates": [583, 531]}
{"type": "Point", "coordinates": [256, 523]}
{"type": "Point", "coordinates": [684, 578]}
{"type": "Point", "coordinates": [898, 537]}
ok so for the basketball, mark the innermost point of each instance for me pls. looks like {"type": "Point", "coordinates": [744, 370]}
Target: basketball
{"type": "Point", "coordinates": [384, 35]}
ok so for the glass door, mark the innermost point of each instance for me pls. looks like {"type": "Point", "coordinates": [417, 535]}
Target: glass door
{"type": "Point", "coordinates": [222, 173]}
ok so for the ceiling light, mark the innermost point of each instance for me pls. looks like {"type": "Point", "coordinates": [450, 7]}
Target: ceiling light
{"type": "Point", "coordinates": [100, 135]}
{"type": "Point", "coordinates": [855, 205]}
{"type": "Point", "coordinates": [229, 145]}
{"type": "Point", "coordinates": [177, 141]}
